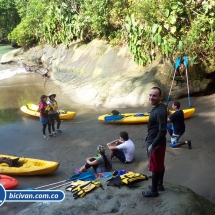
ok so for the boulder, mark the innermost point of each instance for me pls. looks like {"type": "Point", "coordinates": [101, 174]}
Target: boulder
{"type": "Point", "coordinates": [112, 200]}
{"type": "Point", "coordinates": [11, 56]}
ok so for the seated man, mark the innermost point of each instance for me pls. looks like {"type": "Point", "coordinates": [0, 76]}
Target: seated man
{"type": "Point", "coordinates": [122, 148]}
{"type": "Point", "coordinates": [177, 128]}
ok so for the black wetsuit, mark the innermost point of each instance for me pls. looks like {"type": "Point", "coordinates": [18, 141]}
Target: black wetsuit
{"type": "Point", "coordinates": [157, 137]}
{"type": "Point", "coordinates": [157, 126]}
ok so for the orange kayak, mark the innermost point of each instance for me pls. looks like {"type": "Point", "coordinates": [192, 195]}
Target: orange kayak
{"type": "Point", "coordinates": [8, 182]}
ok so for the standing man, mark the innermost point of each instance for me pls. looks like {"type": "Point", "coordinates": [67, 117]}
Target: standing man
{"type": "Point", "coordinates": [54, 113]}
{"type": "Point", "coordinates": [177, 128]}
{"type": "Point", "coordinates": [156, 142]}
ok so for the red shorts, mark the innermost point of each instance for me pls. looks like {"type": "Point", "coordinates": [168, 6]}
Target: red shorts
{"type": "Point", "coordinates": [156, 159]}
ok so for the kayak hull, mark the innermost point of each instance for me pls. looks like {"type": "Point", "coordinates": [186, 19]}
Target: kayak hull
{"type": "Point", "coordinates": [31, 109]}
{"type": "Point", "coordinates": [8, 182]}
{"type": "Point", "coordinates": [28, 166]}
{"type": "Point", "coordinates": [137, 118]}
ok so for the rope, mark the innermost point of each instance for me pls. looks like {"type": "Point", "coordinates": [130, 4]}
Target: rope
{"type": "Point", "coordinates": [66, 172]}
{"type": "Point", "coordinates": [85, 120]}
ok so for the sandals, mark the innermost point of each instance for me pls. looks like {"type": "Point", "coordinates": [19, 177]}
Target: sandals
{"type": "Point", "coordinates": [46, 138]}
{"type": "Point", "coordinates": [78, 170]}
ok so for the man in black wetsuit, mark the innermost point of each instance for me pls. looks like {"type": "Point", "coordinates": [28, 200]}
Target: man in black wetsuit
{"type": "Point", "coordinates": [156, 142]}
{"type": "Point", "coordinates": [177, 128]}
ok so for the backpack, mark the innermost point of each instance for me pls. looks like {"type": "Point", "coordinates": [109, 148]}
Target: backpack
{"type": "Point", "coordinates": [115, 181]}
{"type": "Point", "coordinates": [10, 162]}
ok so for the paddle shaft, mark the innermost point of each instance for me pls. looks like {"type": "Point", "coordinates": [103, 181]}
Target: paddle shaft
{"type": "Point", "coordinates": [112, 118]}
{"type": "Point", "coordinates": [50, 184]}
{"type": "Point", "coordinates": [167, 101]}
{"type": "Point", "coordinates": [81, 177]}
{"type": "Point", "coordinates": [188, 91]}
{"type": "Point", "coordinates": [59, 185]}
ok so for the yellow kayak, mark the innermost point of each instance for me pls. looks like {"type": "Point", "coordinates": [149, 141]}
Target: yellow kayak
{"type": "Point", "coordinates": [134, 118]}
{"type": "Point", "coordinates": [32, 110]}
{"type": "Point", "coordinates": [27, 166]}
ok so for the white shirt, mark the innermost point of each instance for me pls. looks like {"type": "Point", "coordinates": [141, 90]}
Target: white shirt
{"type": "Point", "coordinates": [128, 148]}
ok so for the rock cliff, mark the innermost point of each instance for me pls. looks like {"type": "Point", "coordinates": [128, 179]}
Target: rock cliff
{"type": "Point", "coordinates": [97, 74]}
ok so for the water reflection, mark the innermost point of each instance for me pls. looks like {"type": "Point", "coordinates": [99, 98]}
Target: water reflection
{"type": "Point", "coordinates": [9, 115]}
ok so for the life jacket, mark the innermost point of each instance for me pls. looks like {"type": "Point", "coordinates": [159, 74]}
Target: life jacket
{"type": "Point", "coordinates": [42, 106]}
{"type": "Point", "coordinates": [52, 106]}
{"type": "Point", "coordinates": [81, 188]}
{"type": "Point", "coordinates": [128, 179]}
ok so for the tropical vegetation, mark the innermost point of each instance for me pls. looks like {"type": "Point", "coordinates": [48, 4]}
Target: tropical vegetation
{"type": "Point", "coordinates": [173, 28]}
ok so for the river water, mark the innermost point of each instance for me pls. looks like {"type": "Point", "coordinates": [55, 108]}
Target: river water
{"type": "Point", "coordinates": [18, 87]}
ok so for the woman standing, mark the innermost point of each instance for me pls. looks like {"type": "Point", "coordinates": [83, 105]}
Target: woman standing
{"type": "Point", "coordinates": [44, 119]}
{"type": "Point", "coordinates": [54, 113]}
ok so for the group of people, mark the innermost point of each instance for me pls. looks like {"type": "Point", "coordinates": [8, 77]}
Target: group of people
{"type": "Point", "coordinates": [49, 112]}
{"type": "Point", "coordinates": [124, 149]}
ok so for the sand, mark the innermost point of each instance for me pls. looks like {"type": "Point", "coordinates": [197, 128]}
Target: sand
{"type": "Point", "coordinates": [21, 135]}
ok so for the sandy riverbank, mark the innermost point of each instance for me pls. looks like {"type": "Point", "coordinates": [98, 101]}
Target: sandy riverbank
{"type": "Point", "coordinates": [21, 135]}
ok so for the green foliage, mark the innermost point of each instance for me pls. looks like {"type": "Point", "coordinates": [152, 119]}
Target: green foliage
{"type": "Point", "coordinates": [60, 25]}
{"type": "Point", "coordinates": [21, 7]}
{"type": "Point", "coordinates": [172, 27]}
{"type": "Point", "coordinates": [25, 34]}
{"type": "Point", "coordinates": [9, 17]}
{"type": "Point", "coordinates": [95, 16]}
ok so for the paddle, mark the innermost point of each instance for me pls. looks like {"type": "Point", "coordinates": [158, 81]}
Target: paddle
{"type": "Point", "coordinates": [177, 63]}
{"type": "Point", "coordinates": [185, 58]}
{"type": "Point", "coordinates": [84, 176]}
{"type": "Point", "coordinates": [114, 118]}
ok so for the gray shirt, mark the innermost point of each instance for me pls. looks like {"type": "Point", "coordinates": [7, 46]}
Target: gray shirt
{"type": "Point", "coordinates": [101, 167]}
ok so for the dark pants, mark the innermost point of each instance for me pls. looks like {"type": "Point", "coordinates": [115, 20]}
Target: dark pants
{"type": "Point", "coordinates": [174, 138]}
{"type": "Point", "coordinates": [157, 180]}
{"type": "Point", "coordinates": [54, 117]}
{"type": "Point", "coordinates": [120, 154]}
{"type": "Point", "coordinates": [44, 128]}
{"type": "Point", "coordinates": [169, 129]}
{"type": "Point", "coordinates": [87, 166]}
